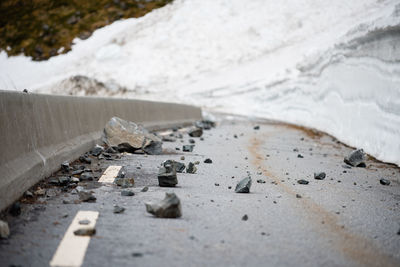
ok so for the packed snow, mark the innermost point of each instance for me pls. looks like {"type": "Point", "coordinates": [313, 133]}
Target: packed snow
{"type": "Point", "coordinates": [330, 65]}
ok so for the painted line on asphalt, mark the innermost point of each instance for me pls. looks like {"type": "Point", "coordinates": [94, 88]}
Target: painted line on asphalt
{"type": "Point", "coordinates": [110, 174]}
{"type": "Point", "coordinates": [72, 248]}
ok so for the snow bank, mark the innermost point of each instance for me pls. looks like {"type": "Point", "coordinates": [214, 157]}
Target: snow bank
{"type": "Point", "coordinates": [333, 66]}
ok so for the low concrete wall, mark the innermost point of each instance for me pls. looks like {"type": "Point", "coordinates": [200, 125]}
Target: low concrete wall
{"type": "Point", "coordinates": [39, 132]}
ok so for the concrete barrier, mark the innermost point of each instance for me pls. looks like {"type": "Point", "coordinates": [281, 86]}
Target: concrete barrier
{"type": "Point", "coordinates": [39, 132]}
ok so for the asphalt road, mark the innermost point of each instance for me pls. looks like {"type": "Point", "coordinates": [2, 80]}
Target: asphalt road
{"type": "Point", "coordinates": [347, 219]}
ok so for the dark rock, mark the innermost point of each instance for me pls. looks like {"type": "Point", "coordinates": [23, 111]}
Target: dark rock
{"type": "Point", "coordinates": [356, 158]}
{"type": "Point", "coordinates": [15, 209]}
{"type": "Point", "coordinates": [87, 231]}
{"type": "Point", "coordinates": [300, 156]}
{"type": "Point", "coordinates": [216, 184]}
{"type": "Point", "coordinates": [243, 186]}
{"type": "Point", "coordinates": [28, 194]}
{"type": "Point", "coordinates": [97, 150]}
{"type": "Point", "coordinates": [168, 139]}
{"type": "Point", "coordinates": [245, 217]}
{"type": "Point", "coordinates": [4, 230]}
{"type": "Point", "coordinates": [205, 124]}
{"type": "Point", "coordinates": [319, 175]}
{"type": "Point", "coordinates": [384, 181]}
{"type": "Point", "coordinates": [65, 166]}
{"type": "Point", "coordinates": [64, 180]}
{"type": "Point", "coordinates": [154, 148]}
{"type": "Point", "coordinates": [77, 172]}
{"type": "Point", "coordinates": [188, 148]}
{"type": "Point", "coordinates": [86, 196]}
{"type": "Point", "coordinates": [302, 181]}
{"type": "Point", "coordinates": [84, 222]}
{"type": "Point", "coordinates": [167, 176]}
{"type": "Point", "coordinates": [178, 166]}
{"type": "Point", "coordinates": [124, 181]}
{"type": "Point", "coordinates": [195, 132]}
{"type": "Point", "coordinates": [260, 181]}
{"type": "Point", "coordinates": [257, 127]}
{"type": "Point", "coordinates": [111, 150]}
{"type": "Point", "coordinates": [137, 254]}
{"type": "Point", "coordinates": [298, 196]}
{"type": "Point", "coordinates": [169, 207]}
{"type": "Point", "coordinates": [86, 176]}
{"type": "Point", "coordinates": [191, 168]}
{"type": "Point", "coordinates": [25, 91]}
{"type": "Point", "coordinates": [145, 189]}
{"type": "Point", "coordinates": [118, 209]}
{"type": "Point", "coordinates": [85, 159]}
{"type": "Point", "coordinates": [54, 181]}
{"type": "Point", "coordinates": [208, 161]}
{"type": "Point", "coordinates": [346, 166]}
{"type": "Point", "coordinates": [127, 193]}
{"type": "Point", "coordinates": [192, 141]}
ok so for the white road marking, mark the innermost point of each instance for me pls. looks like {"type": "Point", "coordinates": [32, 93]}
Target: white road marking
{"type": "Point", "coordinates": [110, 174]}
{"type": "Point", "coordinates": [72, 249]}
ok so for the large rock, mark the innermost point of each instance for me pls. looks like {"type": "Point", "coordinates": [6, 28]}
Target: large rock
{"type": "Point", "coordinates": [169, 207]}
{"type": "Point", "coordinates": [4, 230]}
{"type": "Point", "coordinates": [356, 158]}
{"type": "Point", "coordinates": [129, 137]}
{"type": "Point", "coordinates": [243, 186]}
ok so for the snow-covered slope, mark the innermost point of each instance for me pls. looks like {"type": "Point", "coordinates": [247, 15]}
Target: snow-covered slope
{"type": "Point", "coordinates": [332, 65]}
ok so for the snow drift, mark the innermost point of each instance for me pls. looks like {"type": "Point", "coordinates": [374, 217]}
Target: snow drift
{"type": "Point", "coordinates": [332, 66]}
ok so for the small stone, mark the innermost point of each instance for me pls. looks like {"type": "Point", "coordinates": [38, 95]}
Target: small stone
{"type": "Point", "coordinates": [127, 193]}
{"type": "Point", "coordinates": [298, 196]}
{"type": "Point", "coordinates": [118, 209]}
{"type": "Point", "coordinates": [168, 139]}
{"type": "Point", "coordinates": [302, 181]}
{"type": "Point", "coordinates": [64, 180]}
{"type": "Point", "coordinates": [245, 217]}
{"type": "Point", "coordinates": [84, 222]}
{"type": "Point", "coordinates": [187, 148]}
{"type": "Point", "coordinates": [15, 209]}
{"type": "Point", "coordinates": [257, 127]}
{"type": "Point", "coordinates": [229, 187]}
{"type": "Point", "coordinates": [86, 176]}
{"type": "Point", "coordinates": [300, 156]}
{"type": "Point", "coordinates": [87, 231]}
{"type": "Point", "coordinates": [167, 177]}
{"type": "Point", "coordinates": [124, 181]}
{"type": "Point", "coordinates": [319, 175]}
{"type": "Point", "coordinates": [28, 194]}
{"type": "Point", "coordinates": [145, 189]}
{"type": "Point", "coordinates": [66, 202]}
{"type": "Point", "coordinates": [384, 181]}
{"type": "Point", "coordinates": [179, 167]}
{"type": "Point", "coordinates": [201, 138]}
{"type": "Point", "coordinates": [192, 141]}
{"type": "Point", "coordinates": [243, 186]}
{"type": "Point", "coordinates": [260, 181]}
{"type": "Point", "coordinates": [40, 192]}
{"type": "Point", "coordinates": [75, 180]}
{"type": "Point", "coordinates": [183, 158]}
{"type": "Point", "coordinates": [195, 132]}
{"type": "Point", "coordinates": [356, 158]}
{"type": "Point", "coordinates": [65, 166]}
{"type": "Point", "coordinates": [85, 159]}
{"type": "Point", "coordinates": [25, 91]}
{"type": "Point", "coordinates": [86, 196]}
{"type": "Point", "coordinates": [4, 229]}
{"type": "Point", "coordinates": [216, 184]}
{"type": "Point", "coordinates": [191, 168]}
{"type": "Point", "coordinates": [209, 161]}
{"type": "Point", "coordinates": [97, 150]}
{"type": "Point", "coordinates": [137, 254]}
{"type": "Point", "coordinates": [235, 136]}
{"type": "Point", "coordinates": [169, 207]}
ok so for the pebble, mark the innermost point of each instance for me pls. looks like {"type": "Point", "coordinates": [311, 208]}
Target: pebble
{"type": "Point", "coordinates": [319, 175]}
{"type": "Point", "coordinates": [195, 132]}
{"type": "Point", "coordinates": [192, 141]}
{"type": "Point", "coordinates": [245, 217]}
{"type": "Point", "coordinates": [191, 168]}
{"type": "Point", "coordinates": [257, 127]}
{"type": "Point", "coordinates": [384, 181]}
{"type": "Point", "coordinates": [86, 176]}
{"type": "Point", "coordinates": [302, 181]}
{"type": "Point", "coordinates": [145, 189]}
{"type": "Point", "coordinates": [260, 181]}
{"type": "Point", "coordinates": [356, 158]}
{"type": "Point", "coordinates": [208, 161]}
{"type": "Point", "coordinates": [86, 196]}
{"type": "Point", "coordinates": [89, 231]}
{"type": "Point", "coordinates": [187, 148]}
{"type": "Point", "coordinates": [118, 209]}
{"type": "Point", "coordinates": [300, 156]}
{"type": "Point", "coordinates": [298, 196]}
{"type": "Point", "coordinates": [127, 193]}
{"type": "Point", "coordinates": [4, 229]}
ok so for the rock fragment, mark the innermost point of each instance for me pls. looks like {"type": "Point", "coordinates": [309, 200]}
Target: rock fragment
{"type": "Point", "coordinates": [300, 156]}
{"type": "Point", "coordinates": [127, 193]}
{"type": "Point", "coordinates": [195, 132]}
{"type": "Point", "coordinates": [209, 161]}
{"type": "Point", "coordinates": [384, 181]}
{"type": "Point", "coordinates": [169, 207]}
{"type": "Point", "coordinates": [125, 181]}
{"type": "Point", "coordinates": [298, 196]}
{"type": "Point", "coordinates": [356, 158]}
{"type": "Point", "coordinates": [118, 209]}
{"type": "Point", "coordinates": [168, 139]}
{"type": "Point", "coordinates": [97, 150]}
{"type": "Point", "coordinates": [15, 209]}
{"type": "Point", "coordinates": [65, 166]}
{"type": "Point", "coordinates": [87, 231]}
{"type": "Point", "coordinates": [243, 186]}
{"type": "Point", "coordinates": [85, 159]}
{"type": "Point", "coordinates": [86, 196]}
{"type": "Point", "coordinates": [187, 148]}
{"type": "Point", "coordinates": [319, 175]}
{"type": "Point", "coordinates": [245, 217]}
{"type": "Point", "coordinates": [302, 181]}
{"type": "Point", "coordinates": [167, 176]}
{"type": "Point", "coordinates": [145, 189]}
{"type": "Point", "coordinates": [178, 166]}
{"type": "Point", "coordinates": [191, 168]}
{"type": "Point", "coordinates": [4, 229]}
{"type": "Point", "coordinates": [86, 176]}
{"type": "Point", "coordinates": [257, 127]}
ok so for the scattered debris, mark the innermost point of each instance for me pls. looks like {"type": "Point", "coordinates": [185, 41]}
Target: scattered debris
{"type": "Point", "coordinates": [169, 207]}
{"type": "Point", "coordinates": [87, 231]}
{"type": "Point", "coordinates": [302, 181]}
{"type": "Point", "coordinates": [356, 158]}
{"type": "Point", "coordinates": [86, 176]}
{"type": "Point", "coordinates": [195, 132]}
{"type": "Point", "coordinates": [145, 189]}
{"type": "Point", "coordinates": [187, 148]}
{"type": "Point", "coordinates": [243, 186]}
{"type": "Point", "coordinates": [167, 176]}
{"type": "Point", "coordinates": [384, 181]}
{"type": "Point", "coordinates": [118, 209]}
{"type": "Point", "coordinates": [129, 137]}
{"type": "Point", "coordinates": [260, 181]}
{"type": "Point", "coordinates": [15, 209]}
{"type": "Point", "coordinates": [4, 229]}
{"type": "Point", "coordinates": [86, 196]}
{"type": "Point", "coordinates": [319, 175]}
{"type": "Point", "coordinates": [209, 161]}
{"type": "Point", "coordinates": [245, 217]}
{"type": "Point", "coordinates": [191, 168]}
{"type": "Point", "coordinates": [127, 193]}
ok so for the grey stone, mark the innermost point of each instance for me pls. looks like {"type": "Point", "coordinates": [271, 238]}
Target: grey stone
{"type": "Point", "coordinates": [15, 209]}
{"type": "Point", "coordinates": [118, 209]}
{"type": "Point", "coordinates": [257, 127]}
{"type": "Point", "coordinates": [86, 196]}
{"type": "Point", "coordinates": [245, 217]}
{"type": "Point", "coordinates": [243, 186]}
{"type": "Point", "coordinates": [28, 194]}
{"type": "Point", "coordinates": [209, 161]}
{"type": "Point", "coordinates": [167, 176]}
{"type": "Point", "coordinates": [97, 150]}
{"type": "Point", "coordinates": [356, 158]}
{"type": "Point", "coordinates": [127, 193]}
{"type": "Point", "coordinates": [77, 172]}
{"type": "Point", "coordinates": [111, 150]}
{"type": "Point", "coordinates": [86, 176]}
{"type": "Point", "coordinates": [4, 229]}
{"type": "Point", "coordinates": [192, 141]}
{"type": "Point", "coordinates": [64, 180]}
{"type": "Point", "coordinates": [384, 181]}
{"type": "Point", "coordinates": [65, 166]}
{"type": "Point", "coordinates": [195, 132]}
{"type": "Point", "coordinates": [298, 196]}
{"type": "Point", "coordinates": [124, 181]}
{"type": "Point", "coordinates": [145, 189]}
{"type": "Point", "coordinates": [319, 175]}
{"type": "Point", "coordinates": [87, 231]}
{"type": "Point", "coordinates": [84, 222]}
{"type": "Point", "coordinates": [191, 168]}
{"type": "Point", "coordinates": [187, 148]}
{"type": "Point", "coordinates": [154, 148]}
{"type": "Point", "coordinates": [85, 159]}
{"type": "Point", "coordinates": [169, 207]}
{"type": "Point", "coordinates": [300, 156]}
{"type": "Point", "coordinates": [75, 180]}
{"type": "Point", "coordinates": [302, 181]}
{"type": "Point", "coordinates": [179, 166]}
